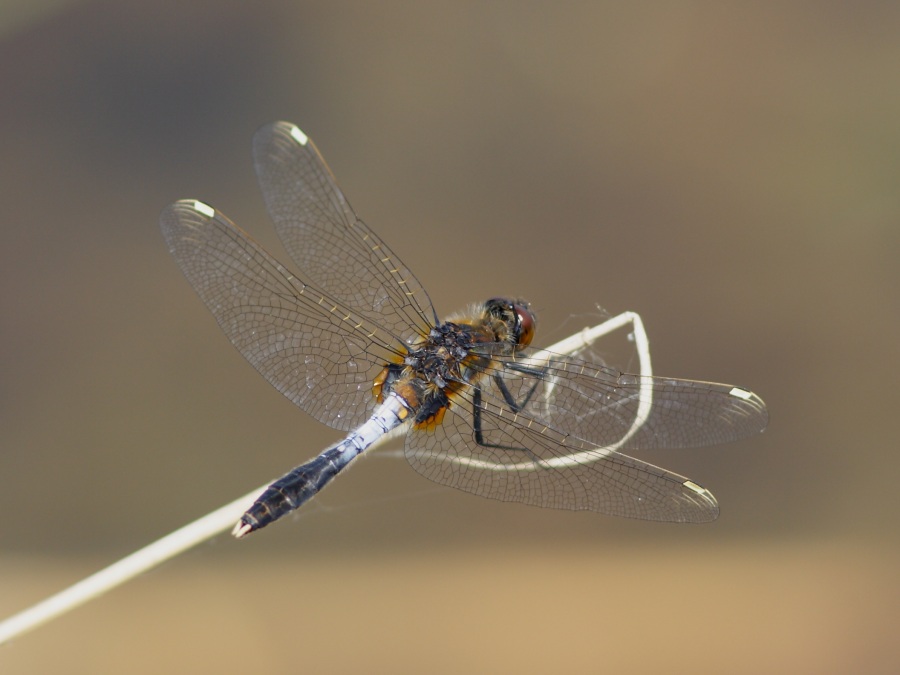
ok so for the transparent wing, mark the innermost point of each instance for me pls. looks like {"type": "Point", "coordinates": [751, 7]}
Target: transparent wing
{"type": "Point", "coordinates": [320, 354]}
{"type": "Point", "coordinates": [611, 409]}
{"type": "Point", "coordinates": [547, 430]}
{"type": "Point", "coordinates": [332, 247]}
{"type": "Point", "coordinates": [523, 461]}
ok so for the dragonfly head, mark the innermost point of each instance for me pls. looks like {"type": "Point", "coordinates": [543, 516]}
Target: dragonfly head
{"type": "Point", "coordinates": [516, 315]}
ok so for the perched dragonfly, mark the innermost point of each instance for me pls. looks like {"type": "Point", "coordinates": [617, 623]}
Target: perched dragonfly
{"type": "Point", "coordinates": [355, 342]}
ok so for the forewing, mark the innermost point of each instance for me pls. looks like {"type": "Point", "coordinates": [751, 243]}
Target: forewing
{"type": "Point", "coordinates": [520, 460]}
{"type": "Point", "coordinates": [611, 409]}
{"type": "Point", "coordinates": [320, 354]}
{"type": "Point", "coordinates": [332, 247]}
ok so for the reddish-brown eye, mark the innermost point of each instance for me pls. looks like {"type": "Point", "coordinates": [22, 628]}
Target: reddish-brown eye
{"type": "Point", "coordinates": [524, 323]}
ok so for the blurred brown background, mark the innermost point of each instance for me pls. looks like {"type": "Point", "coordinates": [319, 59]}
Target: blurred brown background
{"type": "Point", "coordinates": [730, 171]}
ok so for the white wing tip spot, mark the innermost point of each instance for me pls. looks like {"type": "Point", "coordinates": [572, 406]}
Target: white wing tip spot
{"type": "Point", "coordinates": [699, 490]}
{"type": "Point", "coordinates": [299, 136]}
{"type": "Point", "coordinates": [204, 209]}
{"type": "Point", "coordinates": [741, 393]}
{"type": "Point", "coordinates": [693, 487]}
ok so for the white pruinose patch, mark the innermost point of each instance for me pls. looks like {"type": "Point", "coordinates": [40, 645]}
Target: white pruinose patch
{"type": "Point", "coordinates": [205, 209]}
{"type": "Point", "coordinates": [385, 418]}
{"type": "Point", "coordinates": [299, 136]}
{"type": "Point", "coordinates": [741, 393]}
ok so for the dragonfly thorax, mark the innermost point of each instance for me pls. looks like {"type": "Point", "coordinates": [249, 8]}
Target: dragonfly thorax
{"type": "Point", "coordinates": [458, 351]}
{"type": "Point", "coordinates": [438, 359]}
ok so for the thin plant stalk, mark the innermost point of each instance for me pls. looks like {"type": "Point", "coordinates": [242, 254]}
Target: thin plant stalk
{"type": "Point", "coordinates": [222, 519]}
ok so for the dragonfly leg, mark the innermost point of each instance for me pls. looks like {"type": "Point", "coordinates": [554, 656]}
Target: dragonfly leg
{"type": "Point", "coordinates": [517, 406]}
{"type": "Point", "coordinates": [479, 433]}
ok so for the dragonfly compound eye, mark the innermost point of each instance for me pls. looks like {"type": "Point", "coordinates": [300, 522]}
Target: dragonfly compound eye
{"type": "Point", "coordinates": [524, 324]}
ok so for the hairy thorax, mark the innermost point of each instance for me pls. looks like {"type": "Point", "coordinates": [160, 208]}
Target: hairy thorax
{"type": "Point", "coordinates": [454, 354]}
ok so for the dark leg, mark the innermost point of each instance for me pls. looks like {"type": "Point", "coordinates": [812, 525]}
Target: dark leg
{"type": "Point", "coordinates": [477, 428]}
{"type": "Point", "coordinates": [517, 406]}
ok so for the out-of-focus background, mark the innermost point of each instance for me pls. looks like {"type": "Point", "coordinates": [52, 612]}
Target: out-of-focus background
{"type": "Point", "coordinates": [730, 171]}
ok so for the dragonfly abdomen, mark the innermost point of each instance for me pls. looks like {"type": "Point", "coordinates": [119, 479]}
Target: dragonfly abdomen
{"type": "Point", "coordinates": [302, 483]}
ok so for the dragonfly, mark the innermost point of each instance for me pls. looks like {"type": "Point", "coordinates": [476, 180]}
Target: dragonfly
{"type": "Point", "coordinates": [353, 339]}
